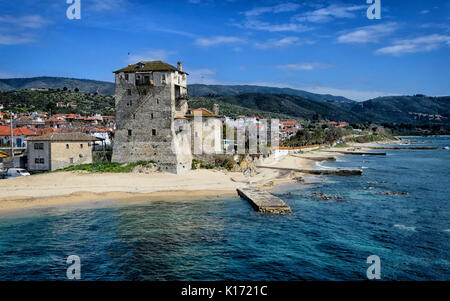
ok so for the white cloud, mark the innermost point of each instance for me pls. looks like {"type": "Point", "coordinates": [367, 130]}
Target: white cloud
{"type": "Point", "coordinates": [8, 39]}
{"type": "Point", "coordinates": [149, 55]}
{"type": "Point", "coordinates": [30, 21]}
{"type": "Point", "coordinates": [333, 11]}
{"type": "Point", "coordinates": [280, 8]}
{"type": "Point", "coordinates": [213, 41]}
{"type": "Point", "coordinates": [305, 66]}
{"type": "Point", "coordinates": [425, 11]}
{"type": "Point", "coordinates": [368, 34]}
{"type": "Point", "coordinates": [106, 5]}
{"type": "Point", "coordinates": [278, 43]}
{"type": "Point", "coordinates": [420, 44]}
{"type": "Point", "coordinates": [358, 95]}
{"type": "Point", "coordinates": [202, 76]}
{"type": "Point", "coordinates": [266, 26]}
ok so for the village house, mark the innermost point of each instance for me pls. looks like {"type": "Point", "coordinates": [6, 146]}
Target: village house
{"type": "Point", "coordinates": [206, 131]}
{"type": "Point", "coordinates": [59, 150]}
{"type": "Point", "coordinates": [20, 135]}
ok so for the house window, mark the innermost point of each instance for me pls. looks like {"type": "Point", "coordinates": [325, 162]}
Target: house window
{"type": "Point", "coordinates": [129, 132]}
{"type": "Point", "coordinates": [71, 160]}
{"type": "Point", "coordinates": [39, 146]}
{"type": "Point", "coordinates": [163, 78]}
{"type": "Point", "coordinates": [67, 146]}
{"type": "Point", "coordinates": [134, 116]}
{"type": "Point", "coordinates": [41, 161]}
{"type": "Point", "coordinates": [81, 145]}
{"type": "Point", "coordinates": [154, 132]}
{"type": "Point", "coordinates": [129, 91]}
{"type": "Point", "coordinates": [126, 76]}
{"type": "Point", "coordinates": [131, 102]}
{"type": "Point", "coordinates": [151, 115]}
{"type": "Point", "coordinates": [157, 101]}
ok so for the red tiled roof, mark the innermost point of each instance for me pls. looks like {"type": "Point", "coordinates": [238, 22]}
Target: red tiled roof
{"type": "Point", "coordinates": [5, 130]}
{"type": "Point", "coordinates": [55, 120]}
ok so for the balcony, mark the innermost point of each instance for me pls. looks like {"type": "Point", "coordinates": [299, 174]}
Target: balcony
{"type": "Point", "coordinates": [182, 97]}
{"type": "Point", "coordinates": [144, 82]}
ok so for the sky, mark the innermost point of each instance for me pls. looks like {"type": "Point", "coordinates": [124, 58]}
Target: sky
{"type": "Point", "coordinates": [323, 46]}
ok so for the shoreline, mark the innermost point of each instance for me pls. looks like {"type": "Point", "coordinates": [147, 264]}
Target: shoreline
{"type": "Point", "coordinates": [69, 188]}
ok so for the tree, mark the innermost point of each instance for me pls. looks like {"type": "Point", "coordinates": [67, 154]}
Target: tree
{"type": "Point", "coordinates": [333, 134]}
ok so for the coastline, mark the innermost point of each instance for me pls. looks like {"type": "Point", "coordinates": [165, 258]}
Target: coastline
{"type": "Point", "coordinates": [67, 188]}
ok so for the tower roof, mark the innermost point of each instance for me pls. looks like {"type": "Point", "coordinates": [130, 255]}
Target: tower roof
{"type": "Point", "coordinates": [156, 65]}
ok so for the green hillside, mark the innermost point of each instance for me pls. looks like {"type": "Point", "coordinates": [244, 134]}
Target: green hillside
{"type": "Point", "coordinates": [232, 110]}
{"type": "Point", "coordinates": [84, 85]}
{"type": "Point", "coordinates": [197, 90]}
{"type": "Point", "coordinates": [405, 109]}
{"type": "Point", "coordinates": [31, 101]}
{"type": "Point", "coordinates": [292, 106]}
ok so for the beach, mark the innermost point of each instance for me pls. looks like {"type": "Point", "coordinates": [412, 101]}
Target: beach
{"type": "Point", "coordinates": [60, 188]}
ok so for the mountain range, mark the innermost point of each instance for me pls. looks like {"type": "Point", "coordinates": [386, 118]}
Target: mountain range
{"type": "Point", "coordinates": [277, 101]}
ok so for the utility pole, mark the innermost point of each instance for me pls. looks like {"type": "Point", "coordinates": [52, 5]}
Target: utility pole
{"type": "Point", "coordinates": [12, 134]}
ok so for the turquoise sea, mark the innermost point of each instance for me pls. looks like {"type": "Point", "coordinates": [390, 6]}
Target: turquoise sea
{"type": "Point", "coordinates": [225, 239]}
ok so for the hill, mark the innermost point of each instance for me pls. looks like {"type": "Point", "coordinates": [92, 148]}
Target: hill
{"type": "Point", "coordinates": [197, 90]}
{"type": "Point", "coordinates": [292, 106]}
{"type": "Point", "coordinates": [405, 109]}
{"type": "Point", "coordinates": [32, 101]}
{"type": "Point", "coordinates": [84, 85]}
{"type": "Point", "coordinates": [232, 110]}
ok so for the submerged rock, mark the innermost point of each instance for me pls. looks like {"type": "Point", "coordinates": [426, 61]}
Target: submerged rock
{"type": "Point", "coordinates": [324, 197]}
{"type": "Point", "coordinates": [393, 192]}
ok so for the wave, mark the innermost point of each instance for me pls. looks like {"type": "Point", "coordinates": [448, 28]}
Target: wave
{"type": "Point", "coordinates": [403, 227]}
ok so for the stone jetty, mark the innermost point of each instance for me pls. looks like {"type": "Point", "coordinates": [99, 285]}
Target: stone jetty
{"type": "Point", "coordinates": [320, 159]}
{"type": "Point", "coordinates": [262, 201]}
{"type": "Point", "coordinates": [331, 172]}
{"type": "Point", "coordinates": [359, 153]}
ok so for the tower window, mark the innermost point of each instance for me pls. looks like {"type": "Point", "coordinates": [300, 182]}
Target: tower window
{"type": "Point", "coordinates": [154, 132]}
{"type": "Point", "coordinates": [151, 115]}
{"type": "Point", "coordinates": [129, 91]}
{"type": "Point", "coordinates": [134, 116]}
{"type": "Point", "coordinates": [67, 146]}
{"type": "Point", "coordinates": [129, 132]}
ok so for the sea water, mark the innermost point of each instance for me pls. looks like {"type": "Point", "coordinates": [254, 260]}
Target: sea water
{"type": "Point", "coordinates": [225, 239]}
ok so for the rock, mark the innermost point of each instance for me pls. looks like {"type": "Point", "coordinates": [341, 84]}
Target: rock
{"type": "Point", "coordinates": [393, 192]}
{"type": "Point", "coordinates": [299, 179]}
{"type": "Point", "coordinates": [146, 169]}
{"type": "Point", "coordinates": [323, 197]}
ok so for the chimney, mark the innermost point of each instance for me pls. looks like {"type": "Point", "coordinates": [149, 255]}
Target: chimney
{"type": "Point", "coordinates": [216, 109]}
{"type": "Point", "coordinates": [180, 66]}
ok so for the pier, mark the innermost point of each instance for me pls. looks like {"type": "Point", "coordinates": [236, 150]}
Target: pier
{"type": "Point", "coordinates": [404, 147]}
{"type": "Point", "coordinates": [359, 153]}
{"type": "Point", "coordinates": [320, 159]}
{"type": "Point", "coordinates": [332, 172]}
{"type": "Point", "coordinates": [262, 201]}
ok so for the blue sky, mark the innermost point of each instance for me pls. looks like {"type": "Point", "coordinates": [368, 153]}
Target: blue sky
{"type": "Point", "coordinates": [318, 46]}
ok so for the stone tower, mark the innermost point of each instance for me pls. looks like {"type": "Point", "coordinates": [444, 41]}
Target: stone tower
{"type": "Point", "coordinates": [151, 104]}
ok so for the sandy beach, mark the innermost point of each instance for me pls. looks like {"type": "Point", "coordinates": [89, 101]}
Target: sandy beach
{"type": "Point", "coordinates": [60, 188]}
